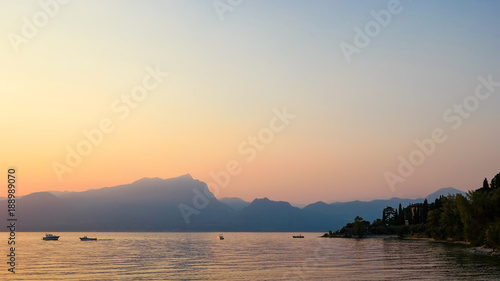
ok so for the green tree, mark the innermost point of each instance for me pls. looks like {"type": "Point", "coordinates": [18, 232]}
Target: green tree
{"type": "Point", "coordinates": [433, 224]}
{"type": "Point", "coordinates": [495, 203]}
{"type": "Point", "coordinates": [486, 186]}
{"type": "Point", "coordinates": [474, 218]}
{"type": "Point", "coordinates": [417, 215]}
{"type": "Point", "coordinates": [401, 220]}
{"type": "Point", "coordinates": [479, 214]}
{"type": "Point", "coordinates": [388, 215]}
{"type": "Point", "coordinates": [465, 211]}
{"type": "Point", "coordinates": [450, 219]}
{"type": "Point", "coordinates": [378, 223]}
{"type": "Point", "coordinates": [359, 227]}
{"type": "Point", "coordinates": [425, 210]}
{"type": "Point", "coordinates": [492, 235]}
{"type": "Point", "coordinates": [495, 182]}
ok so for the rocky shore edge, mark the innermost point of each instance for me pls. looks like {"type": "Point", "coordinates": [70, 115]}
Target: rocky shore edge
{"type": "Point", "coordinates": [486, 251]}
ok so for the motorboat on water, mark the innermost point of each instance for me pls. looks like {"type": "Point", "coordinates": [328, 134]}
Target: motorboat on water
{"type": "Point", "coordinates": [85, 238]}
{"type": "Point", "coordinates": [220, 237]}
{"type": "Point", "coordinates": [50, 237]}
{"type": "Point", "coordinates": [298, 236]}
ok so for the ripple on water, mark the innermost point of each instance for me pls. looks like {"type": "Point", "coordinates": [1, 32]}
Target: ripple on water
{"type": "Point", "coordinates": [243, 256]}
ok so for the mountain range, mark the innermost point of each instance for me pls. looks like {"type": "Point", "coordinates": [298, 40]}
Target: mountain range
{"type": "Point", "coordinates": [185, 204]}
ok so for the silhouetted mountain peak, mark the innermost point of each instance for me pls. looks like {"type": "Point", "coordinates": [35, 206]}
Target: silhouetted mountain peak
{"type": "Point", "coordinates": [147, 180]}
{"type": "Point", "coordinates": [186, 204]}
{"type": "Point", "coordinates": [266, 202]}
{"type": "Point", "coordinates": [42, 196]}
{"type": "Point", "coordinates": [319, 203]}
{"type": "Point", "coordinates": [149, 204]}
{"type": "Point", "coordinates": [443, 192]}
{"type": "Point", "coordinates": [261, 200]}
{"type": "Point", "coordinates": [187, 176]}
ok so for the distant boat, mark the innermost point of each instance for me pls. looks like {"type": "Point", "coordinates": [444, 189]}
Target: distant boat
{"type": "Point", "coordinates": [50, 237]}
{"type": "Point", "coordinates": [298, 236]}
{"type": "Point", "coordinates": [220, 237]}
{"type": "Point", "coordinates": [85, 238]}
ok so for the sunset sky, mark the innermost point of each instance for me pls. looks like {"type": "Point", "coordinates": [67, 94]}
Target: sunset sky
{"type": "Point", "coordinates": [84, 66]}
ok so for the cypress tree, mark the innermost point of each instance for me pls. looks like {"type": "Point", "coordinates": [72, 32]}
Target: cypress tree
{"type": "Point", "coordinates": [425, 211]}
{"type": "Point", "coordinates": [486, 186]}
{"type": "Point", "coordinates": [401, 220]}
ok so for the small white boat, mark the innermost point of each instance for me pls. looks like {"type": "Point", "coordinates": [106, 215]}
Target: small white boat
{"type": "Point", "coordinates": [85, 238]}
{"type": "Point", "coordinates": [220, 237]}
{"type": "Point", "coordinates": [50, 237]}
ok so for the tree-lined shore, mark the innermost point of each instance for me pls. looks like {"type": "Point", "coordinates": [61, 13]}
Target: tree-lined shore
{"type": "Point", "coordinates": [473, 218]}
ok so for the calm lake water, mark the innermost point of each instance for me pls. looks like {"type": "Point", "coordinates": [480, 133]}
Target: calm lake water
{"type": "Point", "coordinates": [241, 256]}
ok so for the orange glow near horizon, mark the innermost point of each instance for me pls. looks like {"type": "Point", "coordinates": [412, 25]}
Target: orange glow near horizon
{"type": "Point", "coordinates": [226, 79]}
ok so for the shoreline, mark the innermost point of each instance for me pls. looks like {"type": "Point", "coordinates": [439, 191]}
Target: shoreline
{"type": "Point", "coordinates": [485, 251]}
{"type": "Point", "coordinates": [476, 250]}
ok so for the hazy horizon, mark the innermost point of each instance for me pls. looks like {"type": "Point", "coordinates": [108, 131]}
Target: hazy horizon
{"type": "Point", "coordinates": [249, 200]}
{"type": "Point", "coordinates": [295, 101]}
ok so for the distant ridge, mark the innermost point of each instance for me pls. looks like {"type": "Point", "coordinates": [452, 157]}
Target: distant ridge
{"type": "Point", "coordinates": [149, 204]}
{"type": "Point", "coordinates": [139, 182]}
{"type": "Point", "coordinates": [444, 192]}
{"type": "Point", "coordinates": [235, 203]}
{"type": "Point", "coordinates": [152, 204]}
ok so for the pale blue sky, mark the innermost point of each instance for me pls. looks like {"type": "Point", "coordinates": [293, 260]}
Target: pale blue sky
{"type": "Point", "coordinates": [354, 119]}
